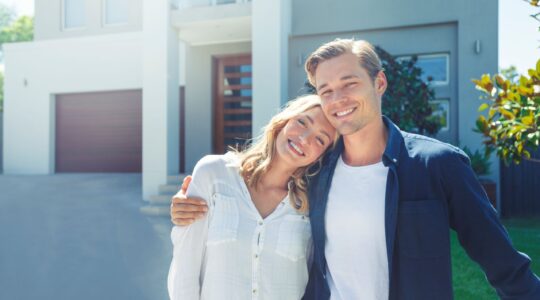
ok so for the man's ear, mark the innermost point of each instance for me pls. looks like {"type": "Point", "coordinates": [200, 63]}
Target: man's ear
{"type": "Point", "coordinates": [381, 83]}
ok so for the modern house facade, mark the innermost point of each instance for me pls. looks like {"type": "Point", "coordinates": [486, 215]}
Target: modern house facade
{"type": "Point", "coordinates": [151, 86]}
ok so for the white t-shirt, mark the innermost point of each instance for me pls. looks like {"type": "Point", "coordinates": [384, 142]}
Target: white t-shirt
{"type": "Point", "coordinates": [355, 229]}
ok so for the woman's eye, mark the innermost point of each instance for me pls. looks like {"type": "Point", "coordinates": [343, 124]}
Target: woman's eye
{"type": "Point", "coordinates": [321, 141]}
{"type": "Point", "coordinates": [301, 122]}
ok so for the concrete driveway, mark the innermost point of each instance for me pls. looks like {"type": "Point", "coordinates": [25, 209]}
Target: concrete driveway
{"type": "Point", "coordinates": [80, 236]}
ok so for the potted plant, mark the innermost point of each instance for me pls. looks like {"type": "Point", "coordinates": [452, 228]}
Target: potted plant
{"type": "Point", "coordinates": [481, 166]}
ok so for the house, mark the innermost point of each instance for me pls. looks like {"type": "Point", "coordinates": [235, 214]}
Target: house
{"type": "Point", "coordinates": [151, 86]}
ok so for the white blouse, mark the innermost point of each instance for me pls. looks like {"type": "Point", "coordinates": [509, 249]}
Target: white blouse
{"type": "Point", "coordinates": [234, 253]}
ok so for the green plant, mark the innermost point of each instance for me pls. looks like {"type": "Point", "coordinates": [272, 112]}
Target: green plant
{"type": "Point", "coordinates": [407, 97]}
{"type": "Point", "coordinates": [512, 125]}
{"type": "Point", "coordinates": [479, 161]}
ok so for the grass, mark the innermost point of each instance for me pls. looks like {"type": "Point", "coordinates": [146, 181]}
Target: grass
{"type": "Point", "coordinates": [469, 280]}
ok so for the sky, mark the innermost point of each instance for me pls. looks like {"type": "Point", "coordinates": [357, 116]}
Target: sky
{"type": "Point", "coordinates": [519, 38]}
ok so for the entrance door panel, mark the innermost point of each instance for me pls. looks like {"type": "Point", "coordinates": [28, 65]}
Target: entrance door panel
{"type": "Point", "coordinates": [232, 102]}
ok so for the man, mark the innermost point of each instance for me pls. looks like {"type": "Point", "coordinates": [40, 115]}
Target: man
{"type": "Point", "coordinates": [382, 205]}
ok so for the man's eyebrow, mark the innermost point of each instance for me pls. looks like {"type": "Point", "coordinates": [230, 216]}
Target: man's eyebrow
{"type": "Point", "coordinates": [347, 77]}
{"type": "Point", "coordinates": [310, 119]}
{"type": "Point", "coordinates": [322, 86]}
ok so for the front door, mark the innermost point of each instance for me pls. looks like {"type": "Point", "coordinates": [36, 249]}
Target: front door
{"type": "Point", "coordinates": [232, 102]}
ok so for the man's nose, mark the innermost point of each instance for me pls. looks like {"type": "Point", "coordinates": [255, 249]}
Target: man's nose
{"type": "Point", "coordinates": [337, 96]}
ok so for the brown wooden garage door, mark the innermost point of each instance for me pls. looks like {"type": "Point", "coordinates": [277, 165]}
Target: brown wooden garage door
{"type": "Point", "coordinates": [99, 132]}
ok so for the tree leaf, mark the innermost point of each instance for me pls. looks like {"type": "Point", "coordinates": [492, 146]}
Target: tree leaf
{"type": "Point", "coordinates": [483, 107]}
{"type": "Point", "coordinates": [528, 120]}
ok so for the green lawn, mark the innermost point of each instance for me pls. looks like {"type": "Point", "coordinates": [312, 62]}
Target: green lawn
{"type": "Point", "coordinates": [469, 280]}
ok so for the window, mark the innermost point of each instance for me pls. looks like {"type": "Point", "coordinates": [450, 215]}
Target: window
{"type": "Point", "coordinates": [441, 109]}
{"type": "Point", "coordinates": [434, 66]}
{"type": "Point", "coordinates": [116, 12]}
{"type": "Point", "coordinates": [73, 13]}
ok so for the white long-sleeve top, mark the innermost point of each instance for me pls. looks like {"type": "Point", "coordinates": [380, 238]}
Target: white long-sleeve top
{"type": "Point", "coordinates": [234, 253]}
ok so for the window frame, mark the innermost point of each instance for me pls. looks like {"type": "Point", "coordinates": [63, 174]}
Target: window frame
{"type": "Point", "coordinates": [63, 12]}
{"type": "Point", "coordinates": [104, 16]}
{"type": "Point", "coordinates": [430, 55]}
{"type": "Point", "coordinates": [448, 112]}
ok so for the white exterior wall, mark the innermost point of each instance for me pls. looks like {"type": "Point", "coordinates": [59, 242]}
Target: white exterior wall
{"type": "Point", "coordinates": [36, 71]}
{"type": "Point", "coordinates": [271, 28]}
{"type": "Point", "coordinates": [48, 20]}
{"type": "Point", "coordinates": [160, 97]}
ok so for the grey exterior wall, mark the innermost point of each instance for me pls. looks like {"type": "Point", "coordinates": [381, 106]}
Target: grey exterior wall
{"type": "Point", "coordinates": [430, 39]}
{"type": "Point", "coordinates": [199, 97]}
{"type": "Point", "coordinates": [408, 27]}
{"type": "Point", "coordinates": [48, 20]}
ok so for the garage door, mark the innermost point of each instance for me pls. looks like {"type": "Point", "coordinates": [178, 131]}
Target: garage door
{"type": "Point", "coordinates": [99, 132]}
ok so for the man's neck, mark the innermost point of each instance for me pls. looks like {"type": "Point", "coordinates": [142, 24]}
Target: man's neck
{"type": "Point", "coordinates": [367, 145]}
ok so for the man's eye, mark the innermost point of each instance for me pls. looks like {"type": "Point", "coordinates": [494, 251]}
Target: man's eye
{"type": "Point", "coordinates": [351, 84]}
{"type": "Point", "coordinates": [325, 93]}
{"type": "Point", "coordinates": [301, 122]}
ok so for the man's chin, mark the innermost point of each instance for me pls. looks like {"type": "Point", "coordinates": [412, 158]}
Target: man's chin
{"type": "Point", "coordinates": [347, 129]}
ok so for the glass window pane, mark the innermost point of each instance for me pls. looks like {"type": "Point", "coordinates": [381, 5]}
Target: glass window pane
{"type": "Point", "coordinates": [116, 11]}
{"type": "Point", "coordinates": [441, 109]}
{"type": "Point", "coordinates": [245, 80]}
{"type": "Point", "coordinates": [434, 67]}
{"type": "Point", "coordinates": [74, 14]}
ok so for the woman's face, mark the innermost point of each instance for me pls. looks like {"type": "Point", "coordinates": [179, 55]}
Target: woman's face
{"type": "Point", "coordinates": [304, 138]}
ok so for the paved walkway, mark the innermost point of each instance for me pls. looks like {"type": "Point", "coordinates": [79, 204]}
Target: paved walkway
{"type": "Point", "coordinates": [80, 236]}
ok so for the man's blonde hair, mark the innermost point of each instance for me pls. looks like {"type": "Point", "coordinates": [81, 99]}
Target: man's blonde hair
{"type": "Point", "coordinates": [363, 50]}
{"type": "Point", "coordinates": [257, 159]}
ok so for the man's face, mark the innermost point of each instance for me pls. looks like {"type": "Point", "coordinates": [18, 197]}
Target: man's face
{"type": "Point", "coordinates": [350, 98]}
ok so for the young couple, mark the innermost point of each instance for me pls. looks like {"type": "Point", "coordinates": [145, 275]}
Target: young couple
{"type": "Point", "coordinates": [303, 214]}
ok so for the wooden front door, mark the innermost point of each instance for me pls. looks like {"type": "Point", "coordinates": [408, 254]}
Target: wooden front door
{"type": "Point", "coordinates": [232, 101]}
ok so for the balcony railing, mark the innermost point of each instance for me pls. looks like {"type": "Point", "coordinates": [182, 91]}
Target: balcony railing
{"type": "Point", "coordinates": [181, 4]}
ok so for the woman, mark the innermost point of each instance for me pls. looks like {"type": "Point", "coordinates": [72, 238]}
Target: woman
{"type": "Point", "coordinates": [254, 242]}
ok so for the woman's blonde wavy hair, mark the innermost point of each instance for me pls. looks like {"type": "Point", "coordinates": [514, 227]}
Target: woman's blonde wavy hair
{"type": "Point", "coordinates": [257, 159]}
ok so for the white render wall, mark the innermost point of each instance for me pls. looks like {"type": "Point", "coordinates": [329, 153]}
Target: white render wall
{"type": "Point", "coordinates": [36, 71]}
{"type": "Point", "coordinates": [48, 20]}
{"type": "Point", "coordinates": [160, 122]}
{"type": "Point", "coordinates": [271, 26]}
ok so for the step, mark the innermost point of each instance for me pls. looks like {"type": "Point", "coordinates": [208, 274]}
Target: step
{"type": "Point", "coordinates": [169, 189]}
{"type": "Point", "coordinates": [160, 199]}
{"type": "Point", "coordinates": [155, 210]}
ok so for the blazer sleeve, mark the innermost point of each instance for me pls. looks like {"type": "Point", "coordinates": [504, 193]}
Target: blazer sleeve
{"type": "Point", "coordinates": [482, 235]}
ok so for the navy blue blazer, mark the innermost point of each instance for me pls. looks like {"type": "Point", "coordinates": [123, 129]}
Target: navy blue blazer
{"type": "Point", "coordinates": [430, 189]}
